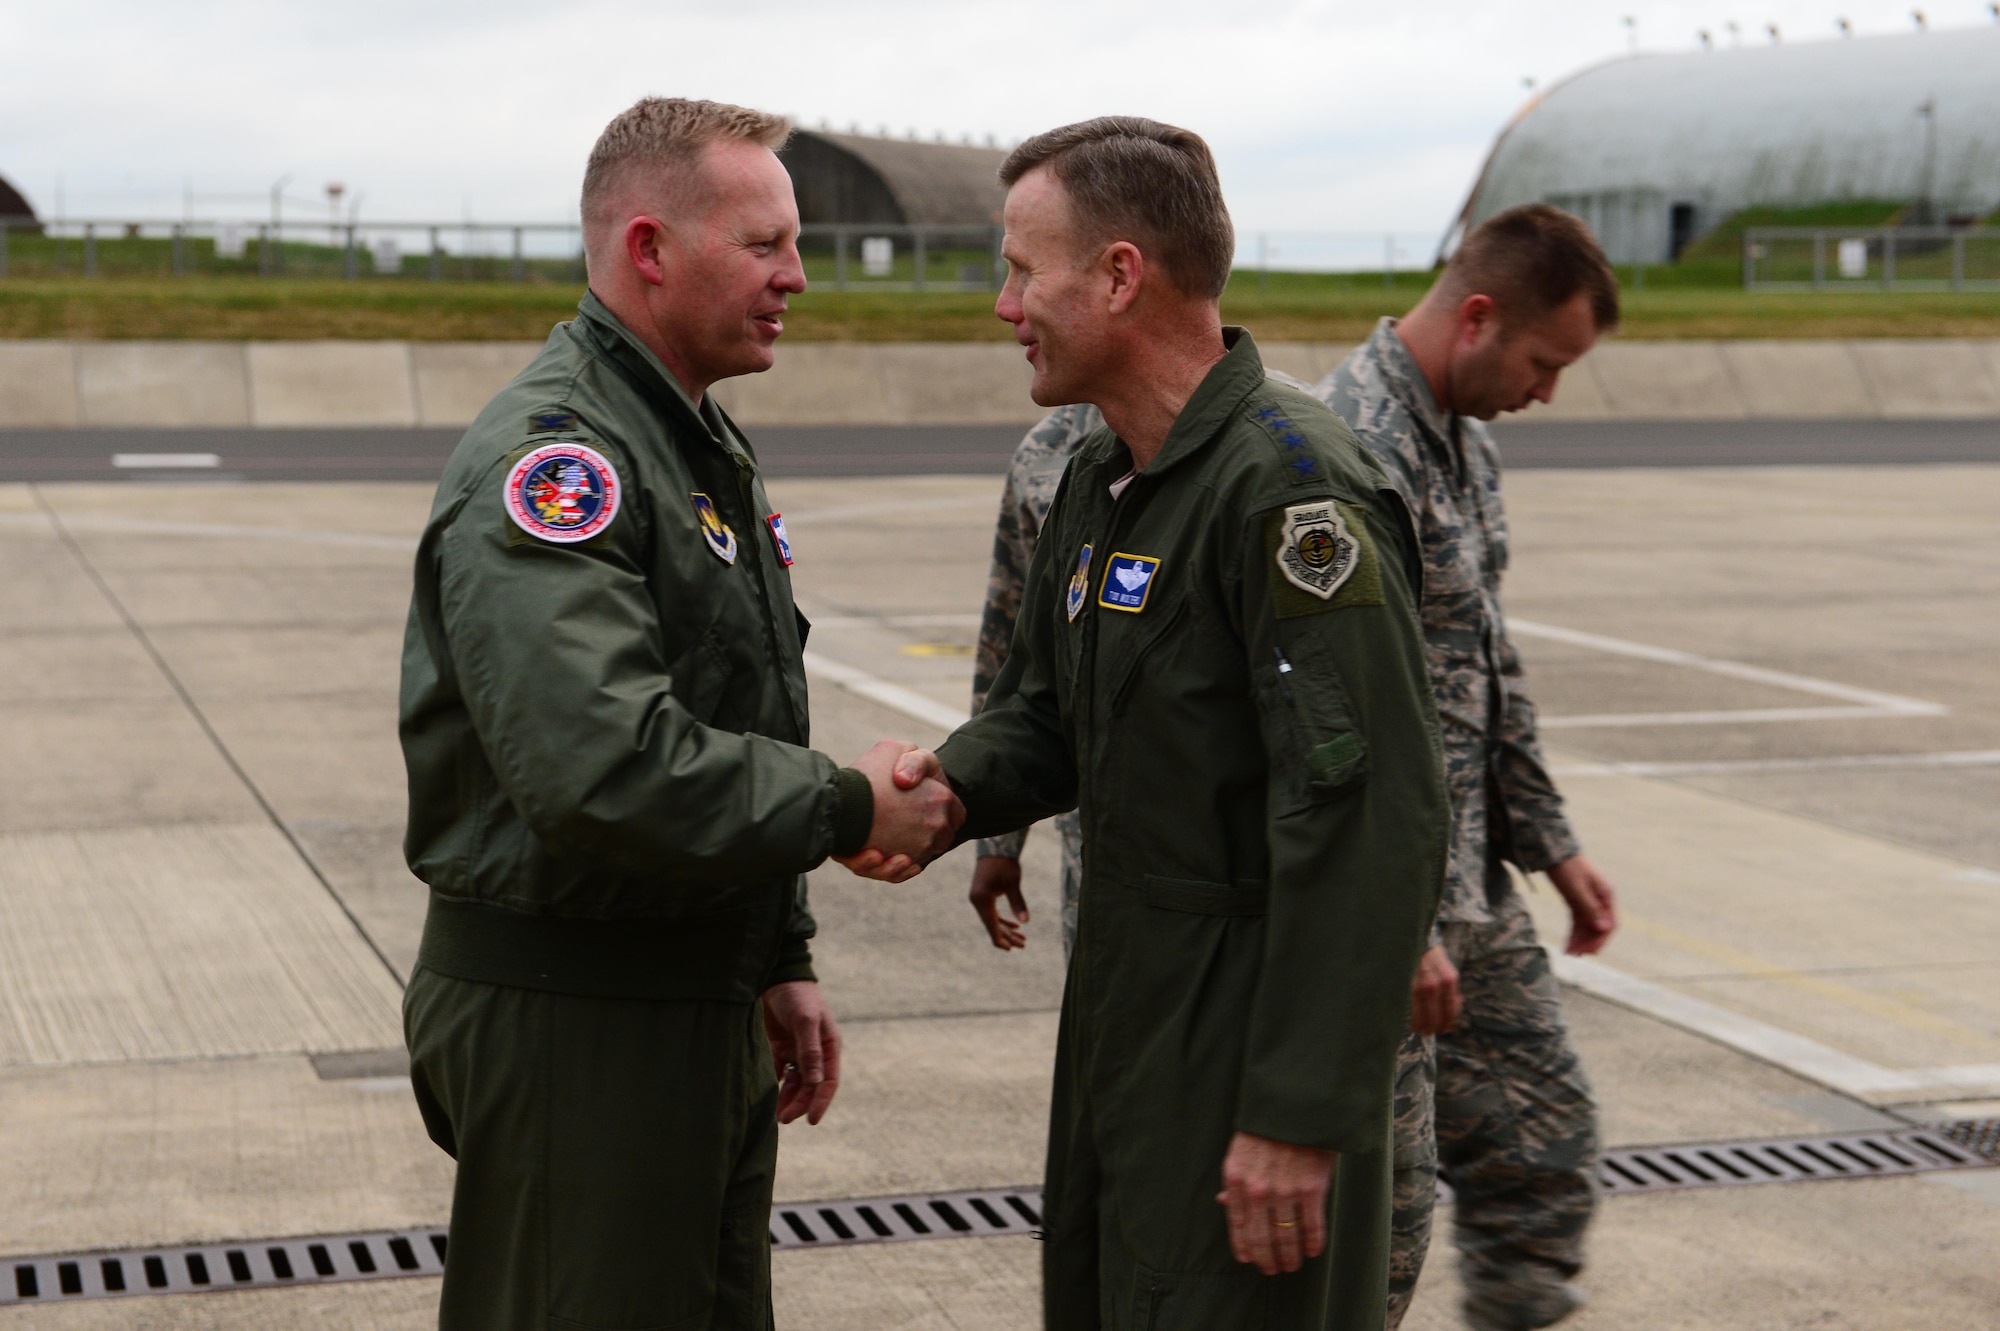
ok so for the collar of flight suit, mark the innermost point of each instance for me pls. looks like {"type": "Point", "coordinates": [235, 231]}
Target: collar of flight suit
{"type": "Point", "coordinates": [636, 361]}
{"type": "Point", "coordinates": [1215, 400]}
{"type": "Point", "coordinates": [1401, 373]}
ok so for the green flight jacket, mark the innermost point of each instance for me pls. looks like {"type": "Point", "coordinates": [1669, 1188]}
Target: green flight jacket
{"type": "Point", "coordinates": [1223, 666]}
{"type": "Point", "coordinates": [610, 789]}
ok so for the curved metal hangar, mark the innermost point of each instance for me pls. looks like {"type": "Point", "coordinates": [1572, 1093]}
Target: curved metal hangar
{"type": "Point", "coordinates": [1653, 150]}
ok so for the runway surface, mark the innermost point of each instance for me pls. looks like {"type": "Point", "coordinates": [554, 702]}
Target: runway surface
{"type": "Point", "coordinates": [829, 451]}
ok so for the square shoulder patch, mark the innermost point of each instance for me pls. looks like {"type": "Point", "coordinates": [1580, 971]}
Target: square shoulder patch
{"type": "Point", "coordinates": [1323, 557]}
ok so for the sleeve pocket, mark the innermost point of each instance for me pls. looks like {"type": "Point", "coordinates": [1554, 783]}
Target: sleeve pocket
{"type": "Point", "coordinates": [1325, 751]}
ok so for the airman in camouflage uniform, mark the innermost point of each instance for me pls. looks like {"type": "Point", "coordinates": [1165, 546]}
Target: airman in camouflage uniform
{"type": "Point", "coordinates": [1032, 479]}
{"type": "Point", "coordinates": [1516, 1125]}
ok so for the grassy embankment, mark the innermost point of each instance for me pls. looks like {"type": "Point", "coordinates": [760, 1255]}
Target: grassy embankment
{"type": "Point", "coordinates": [1282, 307]}
{"type": "Point", "coordinates": [1701, 296]}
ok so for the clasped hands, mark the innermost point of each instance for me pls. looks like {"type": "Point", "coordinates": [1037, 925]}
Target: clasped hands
{"type": "Point", "coordinates": [917, 816]}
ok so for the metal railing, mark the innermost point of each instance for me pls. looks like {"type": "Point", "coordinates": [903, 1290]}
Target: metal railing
{"type": "Point", "coordinates": [846, 257]}
{"type": "Point", "coordinates": [1899, 258]}
{"type": "Point", "coordinates": [883, 257]}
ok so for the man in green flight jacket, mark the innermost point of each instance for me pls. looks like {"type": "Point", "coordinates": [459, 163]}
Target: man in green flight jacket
{"type": "Point", "coordinates": [612, 796]}
{"type": "Point", "coordinates": [1219, 660]}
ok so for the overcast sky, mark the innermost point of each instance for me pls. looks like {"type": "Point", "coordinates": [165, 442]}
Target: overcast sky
{"type": "Point", "coordinates": [1325, 114]}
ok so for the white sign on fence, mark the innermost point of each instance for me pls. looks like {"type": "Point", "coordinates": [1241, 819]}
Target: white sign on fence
{"type": "Point", "coordinates": [387, 257]}
{"type": "Point", "coordinates": [878, 256]}
{"type": "Point", "coordinates": [1854, 258]}
{"type": "Point", "coordinates": [229, 241]}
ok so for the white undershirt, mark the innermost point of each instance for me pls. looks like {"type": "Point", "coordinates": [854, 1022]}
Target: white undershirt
{"type": "Point", "coordinates": [1118, 486]}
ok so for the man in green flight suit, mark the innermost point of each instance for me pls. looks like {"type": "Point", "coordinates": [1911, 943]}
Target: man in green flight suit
{"type": "Point", "coordinates": [604, 724]}
{"type": "Point", "coordinates": [1218, 660]}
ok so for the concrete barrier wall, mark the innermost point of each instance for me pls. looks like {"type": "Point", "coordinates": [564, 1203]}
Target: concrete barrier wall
{"type": "Point", "coordinates": [139, 384]}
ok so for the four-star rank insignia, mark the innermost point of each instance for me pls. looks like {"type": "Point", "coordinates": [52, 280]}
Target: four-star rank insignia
{"type": "Point", "coordinates": [1316, 553]}
{"type": "Point", "coordinates": [714, 530]}
{"type": "Point", "coordinates": [1128, 581]}
{"type": "Point", "coordinates": [1079, 583]}
{"type": "Point", "coordinates": [562, 493]}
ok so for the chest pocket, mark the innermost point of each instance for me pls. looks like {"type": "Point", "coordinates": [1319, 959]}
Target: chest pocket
{"type": "Point", "coordinates": [699, 677]}
{"type": "Point", "coordinates": [1321, 752]}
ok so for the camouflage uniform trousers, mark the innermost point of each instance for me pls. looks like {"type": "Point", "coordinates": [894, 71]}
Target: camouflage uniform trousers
{"type": "Point", "coordinates": [1416, 1163]}
{"type": "Point", "coordinates": [1516, 1126]}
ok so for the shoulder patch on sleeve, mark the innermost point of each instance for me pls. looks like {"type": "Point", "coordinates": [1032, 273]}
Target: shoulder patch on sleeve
{"type": "Point", "coordinates": [562, 492]}
{"type": "Point", "coordinates": [550, 422]}
{"type": "Point", "coordinates": [1325, 558]}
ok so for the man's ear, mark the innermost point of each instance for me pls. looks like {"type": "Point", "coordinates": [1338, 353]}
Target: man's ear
{"type": "Point", "coordinates": [645, 242]}
{"type": "Point", "coordinates": [1125, 268]}
{"type": "Point", "coordinates": [1475, 317]}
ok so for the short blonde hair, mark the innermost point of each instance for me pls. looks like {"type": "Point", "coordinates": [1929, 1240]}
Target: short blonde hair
{"type": "Point", "coordinates": [668, 135]}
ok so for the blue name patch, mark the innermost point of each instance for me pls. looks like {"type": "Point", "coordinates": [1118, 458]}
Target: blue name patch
{"type": "Point", "coordinates": [1128, 581]}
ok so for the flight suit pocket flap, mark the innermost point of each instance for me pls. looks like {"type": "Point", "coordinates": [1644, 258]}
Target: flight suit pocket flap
{"type": "Point", "coordinates": [1245, 897]}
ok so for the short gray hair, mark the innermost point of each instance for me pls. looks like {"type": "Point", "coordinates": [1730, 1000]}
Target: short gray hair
{"type": "Point", "coordinates": [666, 134]}
{"type": "Point", "coordinates": [1129, 178]}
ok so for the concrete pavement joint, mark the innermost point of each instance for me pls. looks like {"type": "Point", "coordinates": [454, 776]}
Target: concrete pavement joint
{"type": "Point", "coordinates": [200, 718]}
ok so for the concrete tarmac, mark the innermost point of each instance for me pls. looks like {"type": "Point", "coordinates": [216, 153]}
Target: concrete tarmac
{"type": "Point", "coordinates": [380, 454]}
{"type": "Point", "coordinates": [1769, 691]}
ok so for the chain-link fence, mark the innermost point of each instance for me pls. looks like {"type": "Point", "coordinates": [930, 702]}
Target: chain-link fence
{"type": "Point", "coordinates": [1904, 258]}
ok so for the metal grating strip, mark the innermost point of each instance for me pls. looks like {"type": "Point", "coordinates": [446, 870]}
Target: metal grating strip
{"type": "Point", "coordinates": [390, 1254]}
{"type": "Point", "coordinates": [209, 1268]}
{"type": "Point", "coordinates": [1970, 1145]}
{"type": "Point", "coordinates": [932, 1215]}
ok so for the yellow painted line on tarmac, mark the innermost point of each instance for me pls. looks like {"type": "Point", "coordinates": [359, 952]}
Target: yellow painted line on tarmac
{"type": "Point", "coordinates": [1751, 966]}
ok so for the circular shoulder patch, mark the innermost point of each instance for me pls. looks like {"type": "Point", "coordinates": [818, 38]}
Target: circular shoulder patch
{"type": "Point", "coordinates": [562, 492]}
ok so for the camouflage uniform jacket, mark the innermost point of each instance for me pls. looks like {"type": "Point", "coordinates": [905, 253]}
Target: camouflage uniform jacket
{"type": "Point", "coordinates": [1032, 479]}
{"type": "Point", "coordinates": [1504, 804]}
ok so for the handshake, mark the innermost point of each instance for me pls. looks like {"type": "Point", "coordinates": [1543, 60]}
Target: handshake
{"type": "Point", "coordinates": [916, 814]}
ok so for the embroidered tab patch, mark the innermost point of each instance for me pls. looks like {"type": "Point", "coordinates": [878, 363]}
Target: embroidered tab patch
{"type": "Point", "coordinates": [1128, 581]}
{"type": "Point", "coordinates": [562, 493]}
{"type": "Point", "coordinates": [1079, 584]}
{"type": "Point", "coordinates": [714, 530]}
{"type": "Point", "coordinates": [777, 524]}
{"type": "Point", "coordinates": [548, 422]}
{"type": "Point", "coordinates": [1315, 552]}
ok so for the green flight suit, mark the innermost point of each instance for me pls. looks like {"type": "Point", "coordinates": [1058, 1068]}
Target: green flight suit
{"type": "Point", "coordinates": [1222, 666]}
{"type": "Point", "coordinates": [604, 724]}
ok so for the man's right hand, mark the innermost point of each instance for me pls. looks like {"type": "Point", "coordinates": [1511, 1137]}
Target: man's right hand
{"type": "Point", "coordinates": [994, 877]}
{"type": "Point", "coordinates": [916, 814]}
{"type": "Point", "coordinates": [1434, 997]}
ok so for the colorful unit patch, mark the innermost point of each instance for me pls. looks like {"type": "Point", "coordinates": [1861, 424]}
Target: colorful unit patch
{"type": "Point", "coordinates": [777, 521]}
{"type": "Point", "coordinates": [1128, 581]}
{"type": "Point", "coordinates": [714, 530]}
{"type": "Point", "coordinates": [562, 493]}
{"type": "Point", "coordinates": [1315, 552]}
{"type": "Point", "coordinates": [1079, 583]}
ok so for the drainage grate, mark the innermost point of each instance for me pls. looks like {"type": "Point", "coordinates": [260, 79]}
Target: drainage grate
{"type": "Point", "coordinates": [386, 1254]}
{"type": "Point", "coordinates": [936, 1215]}
{"type": "Point", "coordinates": [1972, 1145]}
{"type": "Point", "coordinates": [208, 1268]}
